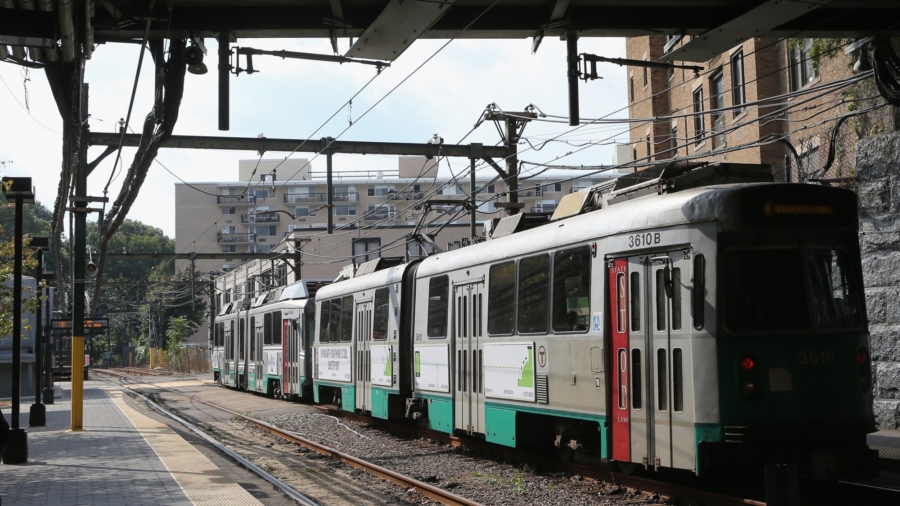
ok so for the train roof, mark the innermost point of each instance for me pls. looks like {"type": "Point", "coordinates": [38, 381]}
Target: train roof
{"type": "Point", "coordinates": [706, 203]}
{"type": "Point", "coordinates": [365, 282]}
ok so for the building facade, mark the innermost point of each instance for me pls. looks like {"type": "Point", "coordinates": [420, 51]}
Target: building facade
{"type": "Point", "coordinates": [285, 211]}
{"type": "Point", "coordinates": [745, 101]}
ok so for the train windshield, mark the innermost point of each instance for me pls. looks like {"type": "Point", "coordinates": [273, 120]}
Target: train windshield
{"type": "Point", "coordinates": [789, 290]}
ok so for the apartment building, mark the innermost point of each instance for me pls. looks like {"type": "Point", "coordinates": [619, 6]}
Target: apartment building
{"type": "Point", "coordinates": [373, 211]}
{"type": "Point", "coordinates": [714, 115]}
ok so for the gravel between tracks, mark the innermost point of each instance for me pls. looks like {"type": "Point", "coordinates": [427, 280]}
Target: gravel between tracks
{"type": "Point", "coordinates": [455, 469]}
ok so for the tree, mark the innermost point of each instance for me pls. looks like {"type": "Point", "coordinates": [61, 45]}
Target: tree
{"type": "Point", "coordinates": [29, 300]}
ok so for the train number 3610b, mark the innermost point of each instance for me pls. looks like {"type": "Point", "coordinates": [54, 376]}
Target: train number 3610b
{"type": "Point", "coordinates": [638, 240]}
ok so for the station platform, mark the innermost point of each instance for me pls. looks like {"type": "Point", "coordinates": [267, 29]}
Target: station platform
{"type": "Point", "coordinates": [887, 442]}
{"type": "Point", "coordinates": [122, 457]}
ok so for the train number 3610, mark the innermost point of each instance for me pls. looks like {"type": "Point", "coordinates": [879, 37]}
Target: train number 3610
{"type": "Point", "coordinates": [648, 239]}
{"type": "Point", "coordinates": [815, 357]}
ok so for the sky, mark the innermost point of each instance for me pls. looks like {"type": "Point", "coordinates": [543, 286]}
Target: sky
{"type": "Point", "coordinates": [294, 98]}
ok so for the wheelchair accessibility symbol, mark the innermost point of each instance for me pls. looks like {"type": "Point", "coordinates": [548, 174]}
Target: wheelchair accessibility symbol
{"type": "Point", "coordinates": [598, 322]}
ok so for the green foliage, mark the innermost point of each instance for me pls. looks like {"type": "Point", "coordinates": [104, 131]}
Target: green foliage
{"type": "Point", "coordinates": [30, 300]}
{"type": "Point", "coordinates": [176, 333]}
{"type": "Point", "coordinates": [820, 48]}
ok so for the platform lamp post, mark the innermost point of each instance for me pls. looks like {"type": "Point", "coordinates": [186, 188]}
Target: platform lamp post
{"type": "Point", "coordinates": [47, 341]}
{"type": "Point", "coordinates": [19, 191]}
{"type": "Point", "coordinates": [38, 415]}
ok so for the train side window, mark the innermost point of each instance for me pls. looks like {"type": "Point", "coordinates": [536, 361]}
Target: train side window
{"type": "Point", "coordinates": [636, 385]}
{"type": "Point", "coordinates": [662, 380]}
{"type": "Point", "coordinates": [676, 299]}
{"type": "Point", "coordinates": [277, 327]}
{"type": "Point", "coordinates": [347, 319]}
{"type": "Point", "coordinates": [438, 288]}
{"type": "Point", "coordinates": [502, 298]}
{"type": "Point", "coordinates": [635, 302]}
{"type": "Point", "coordinates": [660, 300]}
{"type": "Point", "coordinates": [334, 326]}
{"type": "Point", "coordinates": [572, 290]}
{"type": "Point", "coordinates": [698, 291]}
{"type": "Point", "coordinates": [324, 319]}
{"type": "Point", "coordinates": [254, 337]}
{"type": "Point", "coordinates": [267, 329]}
{"type": "Point", "coordinates": [534, 292]}
{"type": "Point", "coordinates": [382, 313]}
{"type": "Point", "coordinates": [621, 303]}
{"type": "Point", "coordinates": [241, 339]}
{"type": "Point", "coordinates": [309, 329]}
{"type": "Point", "coordinates": [677, 381]}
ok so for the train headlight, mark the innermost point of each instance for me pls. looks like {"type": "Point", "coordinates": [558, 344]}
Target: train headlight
{"type": "Point", "coordinates": [862, 356]}
{"type": "Point", "coordinates": [747, 389]}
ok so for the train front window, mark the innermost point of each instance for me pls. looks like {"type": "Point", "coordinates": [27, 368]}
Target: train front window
{"type": "Point", "coordinates": [764, 291]}
{"type": "Point", "coordinates": [833, 294]}
{"type": "Point", "coordinates": [789, 290]}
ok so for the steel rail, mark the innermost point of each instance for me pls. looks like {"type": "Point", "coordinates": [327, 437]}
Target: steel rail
{"type": "Point", "coordinates": [434, 493]}
{"type": "Point", "coordinates": [647, 485]}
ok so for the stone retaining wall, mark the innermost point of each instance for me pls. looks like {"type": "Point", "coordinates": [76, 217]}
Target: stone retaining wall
{"type": "Point", "coordinates": [878, 187]}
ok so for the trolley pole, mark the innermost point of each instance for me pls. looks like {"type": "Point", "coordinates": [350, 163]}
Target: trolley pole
{"type": "Point", "coordinates": [476, 152]}
{"type": "Point", "coordinates": [512, 164]}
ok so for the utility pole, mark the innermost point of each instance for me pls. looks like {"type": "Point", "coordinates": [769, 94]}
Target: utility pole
{"type": "Point", "coordinates": [477, 152]}
{"type": "Point", "coordinates": [329, 152]}
{"type": "Point", "coordinates": [80, 204]}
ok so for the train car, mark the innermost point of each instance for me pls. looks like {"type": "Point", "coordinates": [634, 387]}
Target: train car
{"type": "Point", "coordinates": [281, 327]}
{"type": "Point", "coordinates": [228, 344]}
{"type": "Point", "coordinates": [361, 361]}
{"type": "Point", "coordinates": [682, 329]}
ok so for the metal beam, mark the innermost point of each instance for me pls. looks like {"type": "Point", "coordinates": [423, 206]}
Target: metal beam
{"type": "Point", "coordinates": [197, 256]}
{"type": "Point", "coordinates": [299, 145]}
{"type": "Point", "coordinates": [754, 23]}
{"type": "Point", "coordinates": [496, 167]}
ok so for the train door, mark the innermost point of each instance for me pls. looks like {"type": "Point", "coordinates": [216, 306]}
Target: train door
{"type": "Point", "coordinates": [228, 333]}
{"type": "Point", "coordinates": [363, 340]}
{"type": "Point", "coordinates": [661, 420]}
{"type": "Point", "coordinates": [618, 380]}
{"type": "Point", "coordinates": [468, 329]}
{"type": "Point", "coordinates": [290, 345]}
{"type": "Point", "coordinates": [674, 436]}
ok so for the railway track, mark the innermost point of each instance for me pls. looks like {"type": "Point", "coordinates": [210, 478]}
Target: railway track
{"type": "Point", "coordinates": [430, 491]}
{"type": "Point", "coordinates": [647, 486]}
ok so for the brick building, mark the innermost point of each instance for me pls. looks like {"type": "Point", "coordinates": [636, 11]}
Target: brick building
{"type": "Point", "coordinates": [731, 125]}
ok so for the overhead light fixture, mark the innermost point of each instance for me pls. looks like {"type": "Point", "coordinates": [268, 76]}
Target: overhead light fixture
{"type": "Point", "coordinates": [863, 64]}
{"type": "Point", "coordinates": [193, 57]}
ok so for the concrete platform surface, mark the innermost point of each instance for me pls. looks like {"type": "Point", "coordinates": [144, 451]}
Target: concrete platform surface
{"type": "Point", "coordinates": [122, 457]}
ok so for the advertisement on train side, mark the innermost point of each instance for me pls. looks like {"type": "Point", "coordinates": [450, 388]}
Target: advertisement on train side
{"type": "Point", "coordinates": [273, 361]}
{"type": "Point", "coordinates": [432, 367]}
{"type": "Point", "coordinates": [509, 371]}
{"type": "Point", "coordinates": [335, 363]}
{"type": "Point", "coordinates": [382, 366]}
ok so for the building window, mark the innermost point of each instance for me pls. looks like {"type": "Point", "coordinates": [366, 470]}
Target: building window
{"type": "Point", "coordinates": [738, 93]}
{"type": "Point", "coordinates": [699, 124]}
{"type": "Point", "coordinates": [631, 88]}
{"type": "Point", "coordinates": [229, 249]}
{"type": "Point", "coordinates": [227, 229]}
{"type": "Point", "coordinates": [674, 140]}
{"type": "Point", "coordinates": [345, 193]}
{"type": "Point", "coordinates": [634, 154]}
{"type": "Point", "coordinates": [645, 77]}
{"type": "Point", "coordinates": [366, 249]}
{"type": "Point", "coordinates": [716, 103]}
{"type": "Point", "coordinates": [345, 210]}
{"type": "Point", "coordinates": [260, 193]}
{"type": "Point", "coordinates": [381, 191]}
{"type": "Point", "coordinates": [381, 212]}
{"type": "Point", "coordinates": [304, 211]}
{"type": "Point", "coordinates": [649, 149]}
{"type": "Point", "coordinates": [228, 210]}
{"type": "Point", "coordinates": [801, 66]}
{"type": "Point", "coordinates": [264, 230]}
{"type": "Point", "coordinates": [487, 189]}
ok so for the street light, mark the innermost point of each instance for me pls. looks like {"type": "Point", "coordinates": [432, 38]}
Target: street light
{"type": "Point", "coordinates": [38, 415]}
{"type": "Point", "coordinates": [19, 191]}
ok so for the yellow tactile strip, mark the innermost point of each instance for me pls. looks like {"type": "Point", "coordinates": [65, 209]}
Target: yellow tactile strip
{"type": "Point", "coordinates": [201, 480]}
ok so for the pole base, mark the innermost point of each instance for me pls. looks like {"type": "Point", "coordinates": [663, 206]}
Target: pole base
{"type": "Point", "coordinates": [17, 450]}
{"type": "Point", "coordinates": [48, 396]}
{"type": "Point", "coordinates": [38, 416]}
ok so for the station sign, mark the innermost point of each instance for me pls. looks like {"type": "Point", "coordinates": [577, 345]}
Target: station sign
{"type": "Point", "coordinates": [91, 326]}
